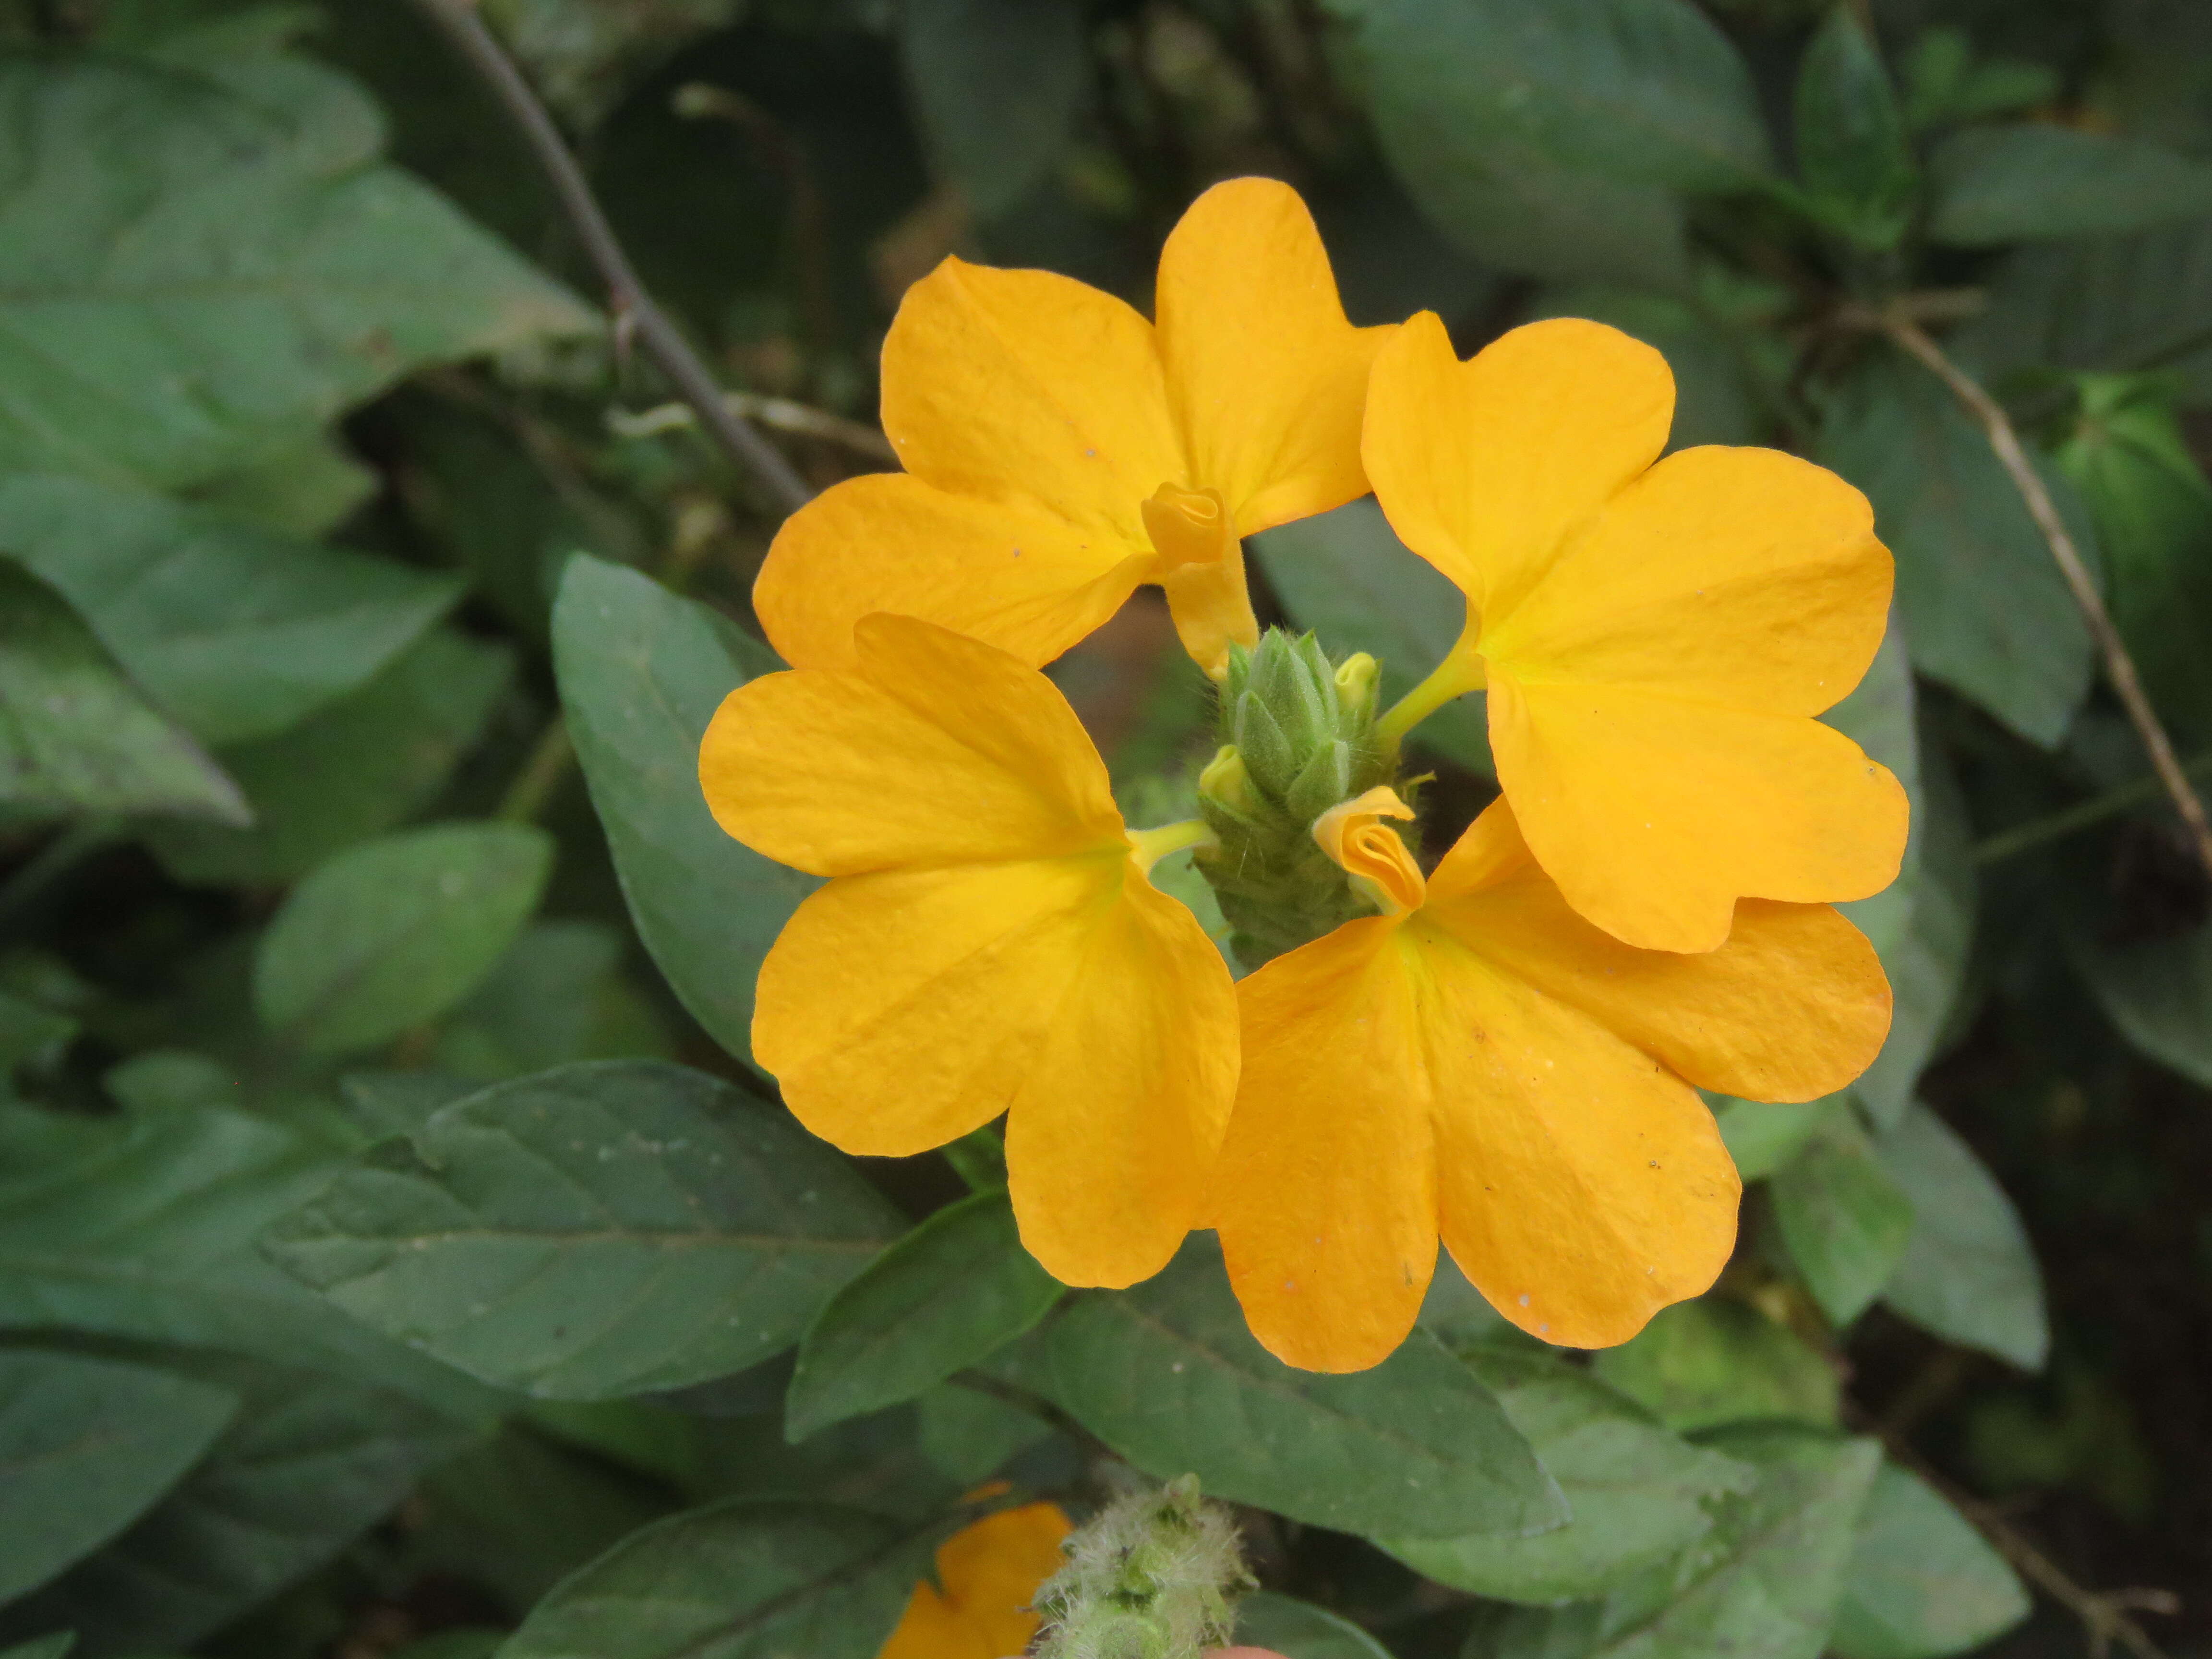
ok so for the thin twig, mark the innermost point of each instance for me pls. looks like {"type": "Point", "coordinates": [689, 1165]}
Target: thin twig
{"type": "Point", "coordinates": [2103, 1613]}
{"type": "Point", "coordinates": [782, 413]}
{"type": "Point", "coordinates": [2119, 666]}
{"type": "Point", "coordinates": [2010, 843]}
{"type": "Point", "coordinates": [634, 308]}
{"type": "Point", "coordinates": [541, 773]}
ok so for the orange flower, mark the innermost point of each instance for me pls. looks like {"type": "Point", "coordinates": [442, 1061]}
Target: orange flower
{"type": "Point", "coordinates": [1060, 450]}
{"type": "Point", "coordinates": [990, 1572]}
{"type": "Point", "coordinates": [1655, 639]}
{"type": "Point", "coordinates": [1483, 1063]}
{"type": "Point", "coordinates": [989, 941]}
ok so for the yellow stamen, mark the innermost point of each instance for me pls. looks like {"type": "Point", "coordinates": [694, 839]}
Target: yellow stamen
{"type": "Point", "coordinates": [1149, 847]}
{"type": "Point", "coordinates": [1382, 871]}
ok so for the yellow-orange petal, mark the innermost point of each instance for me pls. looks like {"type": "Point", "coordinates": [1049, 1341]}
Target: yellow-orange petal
{"type": "Point", "coordinates": [934, 750]}
{"type": "Point", "coordinates": [1011, 572]}
{"type": "Point", "coordinates": [1325, 1194]}
{"type": "Point", "coordinates": [1367, 850]}
{"type": "Point", "coordinates": [1127, 1095]}
{"type": "Point", "coordinates": [1744, 577]}
{"type": "Point", "coordinates": [989, 1572]}
{"type": "Point", "coordinates": [1581, 1187]}
{"type": "Point", "coordinates": [999, 384]}
{"type": "Point", "coordinates": [1265, 376]}
{"type": "Point", "coordinates": [1655, 814]}
{"type": "Point", "coordinates": [1793, 1006]}
{"type": "Point", "coordinates": [1485, 468]}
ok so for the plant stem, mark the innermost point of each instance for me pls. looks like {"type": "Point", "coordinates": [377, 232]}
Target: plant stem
{"type": "Point", "coordinates": [2119, 666]}
{"type": "Point", "coordinates": [634, 308]}
{"type": "Point", "coordinates": [781, 413]}
{"type": "Point", "coordinates": [2006, 843]}
{"type": "Point", "coordinates": [1456, 675]}
{"type": "Point", "coordinates": [541, 774]}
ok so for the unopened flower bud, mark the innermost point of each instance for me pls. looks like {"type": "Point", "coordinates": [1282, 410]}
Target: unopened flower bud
{"type": "Point", "coordinates": [1357, 678]}
{"type": "Point", "coordinates": [1155, 1576]}
{"type": "Point", "coordinates": [1225, 782]}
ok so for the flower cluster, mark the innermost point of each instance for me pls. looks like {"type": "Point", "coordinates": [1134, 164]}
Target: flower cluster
{"type": "Point", "coordinates": [1502, 1053]}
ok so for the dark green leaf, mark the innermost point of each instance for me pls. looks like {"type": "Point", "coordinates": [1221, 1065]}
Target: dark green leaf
{"type": "Point", "coordinates": [1762, 1137]}
{"type": "Point", "coordinates": [76, 736]}
{"type": "Point", "coordinates": [55, 1646]}
{"type": "Point", "coordinates": [191, 274]}
{"type": "Point", "coordinates": [310, 1464]}
{"type": "Point", "coordinates": [236, 632]}
{"type": "Point", "coordinates": [1853, 154]}
{"type": "Point", "coordinates": [304, 491]}
{"type": "Point", "coordinates": [938, 1300]}
{"type": "Point", "coordinates": [388, 1103]}
{"type": "Point", "coordinates": [350, 771]}
{"type": "Point", "coordinates": [1699, 1364]}
{"type": "Point", "coordinates": [2157, 992]}
{"type": "Point", "coordinates": [143, 1227]}
{"type": "Point", "coordinates": [594, 1232]}
{"type": "Point", "coordinates": [1843, 1217]}
{"type": "Point", "coordinates": [1552, 140]}
{"type": "Point", "coordinates": [1922, 1583]}
{"type": "Point", "coordinates": [1960, 532]}
{"type": "Point", "coordinates": [1969, 1272]}
{"type": "Point", "coordinates": [1299, 1629]}
{"type": "Point", "coordinates": [2153, 509]}
{"type": "Point", "coordinates": [1766, 1581]}
{"type": "Point", "coordinates": [641, 673]}
{"type": "Point", "coordinates": [2115, 303]}
{"type": "Point", "coordinates": [2033, 183]}
{"type": "Point", "coordinates": [1346, 577]}
{"type": "Point", "coordinates": [742, 1579]}
{"type": "Point", "coordinates": [1167, 1375]}
{"type": "Point", "coordinates": [86, 1447]}
{"type": "Point", "coordinates": [970, 1434]}
{"type": "Point", "coordinates": [557, 996]}
{"type": "Point", "coordinates": [26, 1029]}
{"type": "Point", "coordinates": [1926, 957]}
{"type": "Point", "coordinates": [997, 85]}
{"type": "Point", "coordinates": [395, 931]}
{"type": "Point", "coordinates": [1639, 1494]}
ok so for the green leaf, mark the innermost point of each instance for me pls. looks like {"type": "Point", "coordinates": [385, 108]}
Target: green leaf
{"type": "Point", "coordinates": [592, 1231]}
{"type": "Point", "coordinates": [2034, 183]}
{"type": "Point", "coordinates": [641, 673]}
{"type": "Point", "coordinates": [1167, 1375]}
{"type": "Point", "coordinates": [969, 1435]}
{"type": "Point", "coordinates": [556, 997]}
{"type": "Point", "coordinates": [2153, 509]}
{"type": "Point", "coordinates": [1843, 1217]}
{"type": "Point", "coordinates": [1299, 1629]}
{"type": "Point", "coordinates": [1960, 532]}
{"type": "Point", "coordinates": [237, 632]}
{"type": "Point", "coordinates": [997, 85]}
{"type": "Point", "coordinates": [1926, 957]}
{"type": "Point", "coordinates": [143, 1227]}
{"type": "Point", "coordinates": [352, 771]}
{"type": "Point", "coordinates": [1762, 1136]}
{"type": "Point", "coordinates": [936, 1301]}
{"type": "Point", "coordinates": [76, 737]}
{"type": "Point", "coordinates": [86, 1447]}
{"type": "Point", "coordinates": [304, 491]}
{"type": "Point", "coordinates": [2156, 992]}
{"type": "Point", "coordinates": [1639, 1494]}
{"type": "Point", "coordinates": [1700, 1364]}
{"type": "Point", "coordinates": [55, 1646]}
{"type": "Point", "coordinates": [1766, 1581]}
{"type": "Point", "coordinates": [395, 931]}
{"type": "Point", "coordinates": [310, 1464]}
{"type": "Point", "coordinates": [388, 1103]}
{"type": "Point", "coordinates": [27, 1028]}
{"type": "Point", "coordinates": [1853, 153]}
{"type": "Point", "coordinates": [1553, 140]}
{"type": "Point", "coordinates": [1348, 577]}
{"type": "Point", "coordinates": [1922, 1583]}
{"type": "Point", "coordinates": [1968, 1273]}
{"type": "Point", "coordinates": [2110, 303]}
{"type": "Point", "coordinates": [193, 272]}
{"type": "Point", "coordinates": [741, 1579]}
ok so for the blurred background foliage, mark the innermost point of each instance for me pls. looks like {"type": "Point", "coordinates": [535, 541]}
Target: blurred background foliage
{"type": "Point", "coordinates": [332, 791]}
